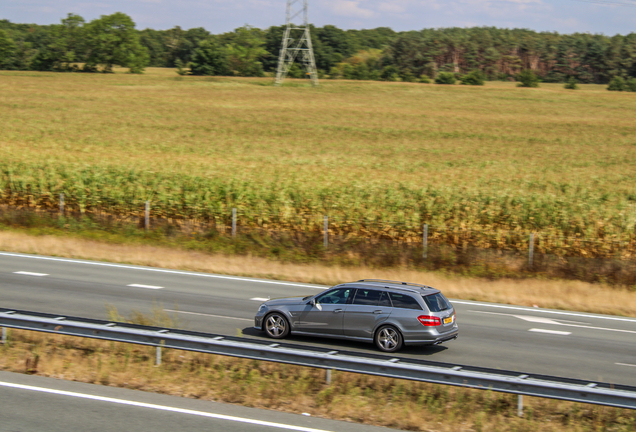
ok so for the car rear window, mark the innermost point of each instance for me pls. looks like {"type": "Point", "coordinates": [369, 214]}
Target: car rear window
{"type": "Point", "coordinates": [436, 302]}
{"type": "Point", "coordinates": [404, 301]}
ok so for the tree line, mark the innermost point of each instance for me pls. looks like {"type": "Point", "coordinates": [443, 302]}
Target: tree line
{"type": "Point", "coordinates": [375, 54]}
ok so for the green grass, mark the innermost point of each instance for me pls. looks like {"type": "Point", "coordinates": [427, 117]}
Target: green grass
{"type": "Point", "coordinates": [380, 158]}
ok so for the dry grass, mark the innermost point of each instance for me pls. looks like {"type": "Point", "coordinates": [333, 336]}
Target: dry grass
{"type": "Point", "coordinates": [491, 158]}
{"type": "Point", "coordinates": [365, 399]}
{"type": "Point", "coordinates": [570, 295]}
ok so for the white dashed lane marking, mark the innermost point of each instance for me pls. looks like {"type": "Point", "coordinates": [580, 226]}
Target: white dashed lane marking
{"type": "Point", "coordinates": [259, 299]}
{"type": "Point", "coordinates": [625, 364]}
{"type": "Point", "coordinates": [30, 273]}
{"type": "Point", "coordinates": [554, 332]}
{"type": "Point", "coordinates": [209, 315]}
{"type": "Point", "coordinates": [559, 322]}
{"type": "Point", "coordinates": [144, 286]}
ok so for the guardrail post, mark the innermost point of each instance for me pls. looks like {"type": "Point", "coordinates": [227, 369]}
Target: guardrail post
{"type": "Point", "coordinates": [425, 241]}
{"type": "Point", "coordinates": [328, 376]}
{"type": "Point", "coordinates": [234, 222]}
{"type": "Point", "coordinates": [531, 250]}
{"type": "Point", "coordinates": [520, 406]}
{"type": "Point", "coordinates": [62, 204]}
{"type": "Point", "coordinates": [147, 216]}
{"type": "Point", "coordinates": [325, 232]}
{"type": "Point", "coordinates": [4, 335]}
{"type": "Point", "coordinates": [158, 360]}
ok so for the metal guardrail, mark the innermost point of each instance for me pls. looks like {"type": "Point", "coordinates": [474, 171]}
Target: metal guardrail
{"type": "Point", "coordinates": [392, 367]}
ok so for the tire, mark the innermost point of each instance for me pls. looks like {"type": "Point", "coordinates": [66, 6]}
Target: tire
{"type": "Point", "coordinates": [276, 325]}
{"type": "Point", "coordinates": [388, 339]}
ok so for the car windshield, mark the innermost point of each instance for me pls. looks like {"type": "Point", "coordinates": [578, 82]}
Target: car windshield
{"type": "Point", "coordinates": [436, 302]}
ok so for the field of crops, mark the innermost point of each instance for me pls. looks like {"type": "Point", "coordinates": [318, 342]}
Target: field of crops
{"type": "Point", "coordinates": [483, 166]}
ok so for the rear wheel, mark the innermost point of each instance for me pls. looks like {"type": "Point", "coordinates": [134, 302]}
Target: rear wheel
{"type": "Point", "coordinates": [388, 339]}
{"type": "Point", "coordinates": [276, 325]}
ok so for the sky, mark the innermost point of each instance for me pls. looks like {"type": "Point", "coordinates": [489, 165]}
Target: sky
{"type": "Point", "coordinates": [609, 17]}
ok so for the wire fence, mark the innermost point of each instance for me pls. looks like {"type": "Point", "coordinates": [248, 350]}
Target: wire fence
{"type": "Point", "coordinates": [487, 252]}
{"type": "Point", "coordinates": [334, 228]}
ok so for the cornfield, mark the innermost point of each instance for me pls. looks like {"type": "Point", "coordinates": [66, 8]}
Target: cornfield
{"type": "Point", "coordinates": [499, 221]}
{"type": "Point", "coordinates": [483, 167]}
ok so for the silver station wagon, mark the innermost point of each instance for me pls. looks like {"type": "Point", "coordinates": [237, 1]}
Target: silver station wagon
{"type": "Point", "coordinates": [388, 313]}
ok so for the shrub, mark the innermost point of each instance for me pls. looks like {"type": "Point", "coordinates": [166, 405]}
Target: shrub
{"type": "Point", "coordinates": [407, 76]}
{"type": "Point", "coordinates": [630, 85]}
{"type": "Point", "coordinates": [527, 78]}
{"type": "Point", "coordinates": [389, 73]}
{"type": "Point", "coordinates": [616, 84]}
{"type": "Point", "coordinates": [445, 78]}
{"type": "Point", "coordinates": [571, 84]}
{"type": "Point", "coordinates": [475, 77]}
{"type": "Point", "coordinates": [424, 79]}
{"type": "Point", "coordinates": [180, 67]}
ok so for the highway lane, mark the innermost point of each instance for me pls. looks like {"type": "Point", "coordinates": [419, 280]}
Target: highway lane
{"type": "Point", "coordinates": [33, 403]}
{"type": "Point", "coordinates": [530, 340]}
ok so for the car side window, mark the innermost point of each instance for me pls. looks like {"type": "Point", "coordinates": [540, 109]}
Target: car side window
{"type": "Point", "coordinates": [367, 297]}
{"type": "Point", "coordinates": [385, 300]}
{"type": "Point", "coordinates": [337, 296]}
{"type": "Point", "coordinates": [404, 301]}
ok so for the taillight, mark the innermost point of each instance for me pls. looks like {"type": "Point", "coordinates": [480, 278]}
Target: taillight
{"type": "Point", "coordinates": [429, 321]}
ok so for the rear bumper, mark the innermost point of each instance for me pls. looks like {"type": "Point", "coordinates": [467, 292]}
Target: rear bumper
{"type": "Point", "coordinates": [432, 339]}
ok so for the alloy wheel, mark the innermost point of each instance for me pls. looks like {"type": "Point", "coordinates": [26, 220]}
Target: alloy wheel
{"type": "Point", "coordinates": [276, 326]}
{"type": "Point", "coordinates": [389, 339]}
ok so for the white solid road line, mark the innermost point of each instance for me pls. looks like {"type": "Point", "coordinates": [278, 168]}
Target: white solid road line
{"type": "Point", "coordinates": [160, 270]}
{"type": "Point", "coordinates": [210, 315]}
{"type": "Point", "coordinates": [144, 286]}
{"type": "Point", "coordinates": [555, 332]}
{"type": "Point", "coordinates": [259, 299]}
{"type": "Point", "coordinates": [625, 364]}
{"type": "Point", "coordinates": [30, 273]}
{"type": "Point", "coordinates": [161, 407]}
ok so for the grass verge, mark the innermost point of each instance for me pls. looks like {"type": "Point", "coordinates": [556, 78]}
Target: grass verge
{"type": "Point", "coordinates": [353, 397]}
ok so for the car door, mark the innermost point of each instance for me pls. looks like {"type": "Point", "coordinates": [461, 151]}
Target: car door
{"type": "Point", "coordinates": [326, 316]}
{"type": "Point", "coordinates": [368, 308]}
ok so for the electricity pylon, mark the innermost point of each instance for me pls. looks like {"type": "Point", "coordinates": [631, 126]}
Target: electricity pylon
{"type": "Point", "coordinates": [296, 44]}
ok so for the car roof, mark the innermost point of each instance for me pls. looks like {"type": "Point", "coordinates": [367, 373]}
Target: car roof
{"type": "Point", "coordinates": [393, 285]}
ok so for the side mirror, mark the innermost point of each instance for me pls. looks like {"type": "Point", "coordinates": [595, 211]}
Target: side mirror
{"type": "Point", "coordinates": [313, 303]}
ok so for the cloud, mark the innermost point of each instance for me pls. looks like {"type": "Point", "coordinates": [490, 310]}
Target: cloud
{"type": "Point", "coordinates": [219, 16]}
{"type": "Point", "coordinates": [392, 7]}
{"type": "Point", "coordinates": [350, 8]}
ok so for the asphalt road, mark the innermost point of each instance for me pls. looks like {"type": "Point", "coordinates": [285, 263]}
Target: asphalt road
{"type": "Point", "coordinates": [33, 403]}
{"type": "Point", "coordinates": [599, 348]}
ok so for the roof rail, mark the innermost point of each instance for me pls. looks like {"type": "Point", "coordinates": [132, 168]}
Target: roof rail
{"type": "Point", "coordinates": [395, 282]}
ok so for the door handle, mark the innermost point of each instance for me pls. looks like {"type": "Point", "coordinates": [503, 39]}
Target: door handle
{"type": "Point", "coordinates": [377, 311]}
{"type": "Point", "coordinates": [337, 310]}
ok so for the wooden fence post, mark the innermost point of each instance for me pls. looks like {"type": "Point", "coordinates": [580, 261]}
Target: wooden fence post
{"type": "Point", "coordinates": [325, 229]}
{"type": "Point", "coordinates": [425, 241]}
{"type": "Point", "coordinates": [234, 222]}
{"type": "Point", "coordinates": [147, 216]}
{"type": "Point", "coordinates": [531, 251]}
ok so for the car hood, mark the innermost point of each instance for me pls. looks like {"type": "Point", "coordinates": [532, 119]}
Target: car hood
{"type": "Point", "coordinates": [285, 301]}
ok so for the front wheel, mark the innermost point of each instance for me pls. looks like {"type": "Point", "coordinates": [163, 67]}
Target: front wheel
{"type": "Point", "coordinates": [388, 339]}
{"type": "Point", "coordinates": [276, 326]}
